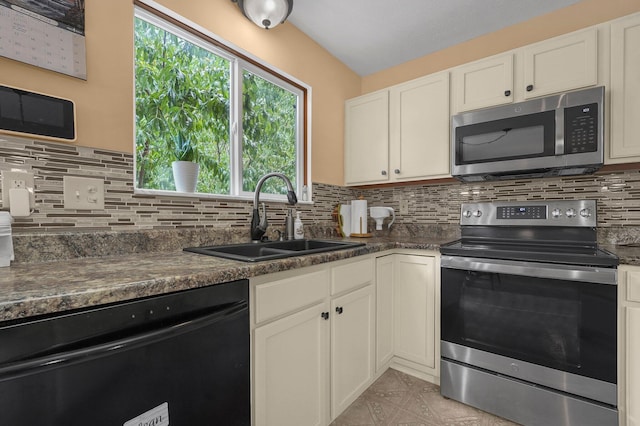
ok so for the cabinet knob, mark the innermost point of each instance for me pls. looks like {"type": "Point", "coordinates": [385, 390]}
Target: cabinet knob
{"type": "Point", "coordinates": [325, 315]}
{"type": "Point", "coordinates": [396, 171]}
{"type": "Point", "coordinates": [529, 87]}
{"type": "Point", "coordinates": [384, 172]}
{"type": "Point", "coordinates": [339, 309]}
{"type": "Point", "coordinates": [507, 93]}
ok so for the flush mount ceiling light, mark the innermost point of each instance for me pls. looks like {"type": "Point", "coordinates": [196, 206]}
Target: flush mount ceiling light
{"type": "Point", "coordinates": [266, 13]}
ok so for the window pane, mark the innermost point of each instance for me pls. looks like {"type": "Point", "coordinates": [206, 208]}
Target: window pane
{"type": "Point", "coordinates": [182, 110]}
{"type": "Point", "coordinates": [269, 126]}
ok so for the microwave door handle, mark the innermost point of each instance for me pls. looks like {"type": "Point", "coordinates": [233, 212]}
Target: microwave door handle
{"type": "Point", "coordinates": [532, 269]}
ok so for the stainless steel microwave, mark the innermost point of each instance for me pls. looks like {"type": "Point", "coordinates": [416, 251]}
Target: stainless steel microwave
{"type": "Point", "coordinates": [553, 136]}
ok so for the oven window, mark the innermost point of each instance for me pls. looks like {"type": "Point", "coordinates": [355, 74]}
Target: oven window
{"type": "Point", "coordinates": [527, 136]}
{"type": "Point", "coordinates": [560, 324]}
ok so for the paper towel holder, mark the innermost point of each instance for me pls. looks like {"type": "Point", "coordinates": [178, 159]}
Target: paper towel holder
{"type": "Point", "coordinates": [361, 226]}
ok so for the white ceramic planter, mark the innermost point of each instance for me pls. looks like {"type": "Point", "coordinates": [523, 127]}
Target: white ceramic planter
{"type": "Point", "coordinates": [185, 175]}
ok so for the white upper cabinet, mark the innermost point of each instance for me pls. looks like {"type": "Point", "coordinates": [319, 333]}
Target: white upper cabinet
{"type": "Point", "coordinates": [483, 83]}
{"type": "Point", "coordinates": [366, 153]}
{"type": "Point", "coordinates": [399, 134]}
{"type": "Point", "coordinates": [625, 90]}
{"type": "Point", "coordinates": [419, 128]}
{"type": "Point", "coordinates": [556, 65]}
{"type": "Point", "coordinates": [561, 64]}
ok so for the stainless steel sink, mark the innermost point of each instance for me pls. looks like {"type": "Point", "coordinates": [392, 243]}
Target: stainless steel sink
{"type": "Point", "coordinates": [257, 252]}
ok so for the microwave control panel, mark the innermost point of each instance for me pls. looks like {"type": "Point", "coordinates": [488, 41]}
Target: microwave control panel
{"type": "Point", "coordinates": [581, 129]}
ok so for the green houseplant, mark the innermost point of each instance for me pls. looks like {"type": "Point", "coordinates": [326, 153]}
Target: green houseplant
{"type": "Point", "coordinates": [186, 162]}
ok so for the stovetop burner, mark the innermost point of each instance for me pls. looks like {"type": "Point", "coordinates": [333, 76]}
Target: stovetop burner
{"type": "Point", "coordinates": [538, 231]}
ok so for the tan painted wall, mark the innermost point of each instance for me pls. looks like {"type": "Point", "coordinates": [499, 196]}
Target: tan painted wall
{"type": "Point", "coordinates": [104, 102]}
{"type": "Point", "coordinates": [580, 15]}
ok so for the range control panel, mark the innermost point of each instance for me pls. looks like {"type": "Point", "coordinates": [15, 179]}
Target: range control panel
{"type": "Point", "coordinates": [530, 213]}
{"type": "Point", "coordinates": [521, 212]}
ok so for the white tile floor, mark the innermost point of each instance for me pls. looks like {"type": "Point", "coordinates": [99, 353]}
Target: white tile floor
{"type": "Point", "coordinates": [397, 399]}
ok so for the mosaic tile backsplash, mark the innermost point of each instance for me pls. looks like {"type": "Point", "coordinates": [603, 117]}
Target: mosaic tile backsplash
{"type": "Point", "coordinates": [432, 205]}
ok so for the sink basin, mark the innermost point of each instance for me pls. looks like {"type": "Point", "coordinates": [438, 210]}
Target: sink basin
{"type": "Point", "coordinates": [257, 252]}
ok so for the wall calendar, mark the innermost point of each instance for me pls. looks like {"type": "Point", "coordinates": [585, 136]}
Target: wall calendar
{"type": "Point", "coordinates": [45, 33]}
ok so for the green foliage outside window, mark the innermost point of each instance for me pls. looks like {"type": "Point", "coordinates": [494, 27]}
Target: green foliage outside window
{"type": "Point", "coordinates": [183, 103]}
{"type": "Point", "coordinates": [269, 129]}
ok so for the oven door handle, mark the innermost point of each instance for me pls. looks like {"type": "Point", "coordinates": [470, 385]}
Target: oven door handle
{"type": "Point", "coordinates": [589, 274]}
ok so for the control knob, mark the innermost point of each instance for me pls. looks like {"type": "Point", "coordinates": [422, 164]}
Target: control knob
{"type": "Point", "coordinates": [477, 213]}
{"type": "Point", "coordinates": [570, 213]}
{"type": "Point", "coordinates": [466, 213]}
{"type": "Point", "coordinates": [556, 213]}
{"type": "Point", "coordinates": [585, 212]}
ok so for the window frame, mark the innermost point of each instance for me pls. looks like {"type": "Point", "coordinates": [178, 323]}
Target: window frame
{"type": "Point", "coordinates": [240, 60]}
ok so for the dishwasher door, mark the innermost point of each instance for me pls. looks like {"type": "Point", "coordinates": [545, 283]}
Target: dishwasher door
{"type": "Point", "coordinates": [179, 359]}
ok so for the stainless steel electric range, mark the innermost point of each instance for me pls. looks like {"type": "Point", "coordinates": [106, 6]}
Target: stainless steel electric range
{"type": "Point", "coordinates": [528, 318]}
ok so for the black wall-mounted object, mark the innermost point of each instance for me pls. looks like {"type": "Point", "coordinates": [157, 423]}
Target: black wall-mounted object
{"type": "Point", "coordinates": [34, 114]}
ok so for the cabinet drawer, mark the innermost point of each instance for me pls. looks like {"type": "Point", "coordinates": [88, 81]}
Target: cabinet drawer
{"type": "Point", "coordinates": [633, 286]}
{"type": "Point", "coordinates": [351, 275]}
{"type": "Point", "coordinates": [287, 295]}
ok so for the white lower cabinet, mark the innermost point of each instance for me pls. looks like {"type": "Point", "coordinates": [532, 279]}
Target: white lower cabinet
{"type": "Point", "coordinates": [408, 308]}
{"type": "Point", "coordinates": [629, 345]}
{"type": "Point", "coordinates": [352, 343]}
{"type": "Point", "coordinates": [414, 298]}
{"type": "Point", "coordinates": [313, 341]}
{"type": "Point", "coordinates": [385, 266]}
{"type": "Point", "coordinates": [291, 370]}
{"type": "Point", "coordinates": [633, 365]}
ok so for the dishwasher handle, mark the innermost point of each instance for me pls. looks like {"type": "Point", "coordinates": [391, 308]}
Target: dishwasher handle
{"type": "Point", "coordinates": [48, 362]}
{"type": "Point", "coordinates": [590, 274]}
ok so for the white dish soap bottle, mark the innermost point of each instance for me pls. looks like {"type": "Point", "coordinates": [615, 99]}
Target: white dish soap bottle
{"type": "Point", "coordinates": [298, 229]}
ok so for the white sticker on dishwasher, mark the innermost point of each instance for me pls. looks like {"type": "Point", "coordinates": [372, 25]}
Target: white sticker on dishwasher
{"type": "Point", "coordinates": [158, 416]}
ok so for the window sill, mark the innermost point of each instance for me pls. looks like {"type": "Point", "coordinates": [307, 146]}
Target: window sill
{"type": "Point", "coordinates": [200, 195]}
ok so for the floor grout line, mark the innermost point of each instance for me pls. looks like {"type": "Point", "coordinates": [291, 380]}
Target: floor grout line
{"type": "Point", "coordinates": [420, 405]}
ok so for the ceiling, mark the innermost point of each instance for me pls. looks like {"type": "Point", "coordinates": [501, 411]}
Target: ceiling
{"type": "Point", "coordinates": [373, 35]}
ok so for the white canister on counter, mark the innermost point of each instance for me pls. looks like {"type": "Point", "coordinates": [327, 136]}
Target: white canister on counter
{"type": "Point", "coordinates": [359, 217]}
{"type": "Point", "coordinates": [345, 212]}
{"type": "Point", "coordinates": [6, 243]}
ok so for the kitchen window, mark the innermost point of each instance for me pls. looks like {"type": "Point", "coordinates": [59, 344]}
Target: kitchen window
{"type": "Point", "coordinates": [199, 100]}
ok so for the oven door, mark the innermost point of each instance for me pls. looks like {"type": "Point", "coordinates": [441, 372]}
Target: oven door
{"type": "Point", "coordinates": [553, 318]}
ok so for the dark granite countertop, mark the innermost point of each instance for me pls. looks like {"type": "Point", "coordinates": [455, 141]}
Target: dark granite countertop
{"type": "Point", "coordinates": [30, 289]}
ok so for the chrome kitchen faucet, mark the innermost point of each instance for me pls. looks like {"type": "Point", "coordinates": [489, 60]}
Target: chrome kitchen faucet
{"type": "Point", "coordinates": [258, 224]}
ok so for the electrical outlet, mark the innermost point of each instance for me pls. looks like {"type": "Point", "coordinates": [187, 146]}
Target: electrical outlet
{"type": "Point", "coordinates": [16, 179]}
{"type": "Point", "coordinates": [404, 206]}
{"type": "Point", "coordinates": [83, 193]}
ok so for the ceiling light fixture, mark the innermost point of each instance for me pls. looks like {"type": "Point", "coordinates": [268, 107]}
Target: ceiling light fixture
{"type": "Point", "coordinates": [265, 13]}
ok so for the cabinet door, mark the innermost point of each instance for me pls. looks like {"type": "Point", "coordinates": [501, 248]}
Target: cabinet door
{"type": "Point", "coordinates": [366, 157]}
{"type": "Point", "coordinates": [415, 309]}
{"type": "Point", "coordinates": [560, 64]}
{"type": "Point", "coordinates": [625, 90]}
{"type": "Point", "coordinates": [352, 347]}
{"type": "Point", "coordinates": [384, 310]}
{"type": "Point", "coordinates": [483, 83]}
{"type": "Point", "coordinates": [419, 128]}
{"type": "Point", "coordinates": [633, 365]}
{"type": "Point", "coordinates": [291, 370]}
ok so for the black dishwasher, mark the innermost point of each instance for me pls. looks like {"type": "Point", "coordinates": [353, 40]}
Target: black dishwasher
{"type": "Point", "coordinates": [180, 358]}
